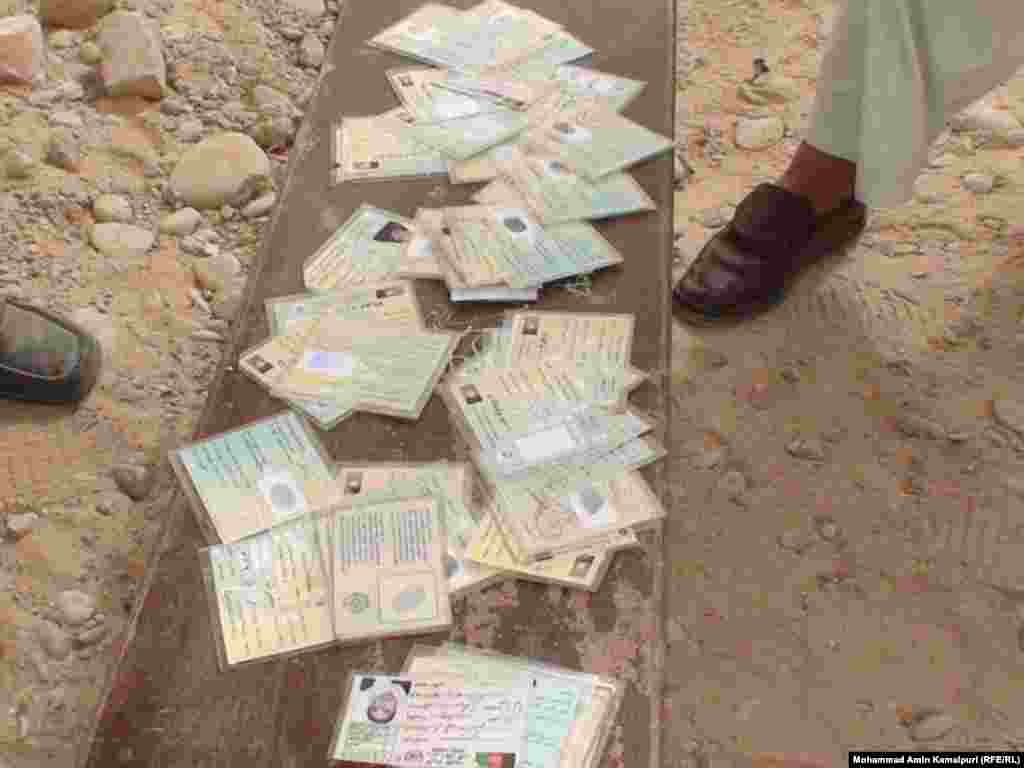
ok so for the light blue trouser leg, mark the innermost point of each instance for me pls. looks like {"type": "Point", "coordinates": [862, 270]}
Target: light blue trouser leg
{"type": "Point", "coordinates": [896, 71]}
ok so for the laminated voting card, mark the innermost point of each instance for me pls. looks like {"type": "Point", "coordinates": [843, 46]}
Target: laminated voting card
{"type": "Point", "coordinates": [255, 477]}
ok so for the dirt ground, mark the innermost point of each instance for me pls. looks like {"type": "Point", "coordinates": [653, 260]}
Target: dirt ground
{"type": "Point", "coordinates": [847, 509]}
{"type": "Point", "coordinates": [849, 469]}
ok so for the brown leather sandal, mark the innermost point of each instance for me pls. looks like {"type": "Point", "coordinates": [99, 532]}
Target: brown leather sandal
{"type": "Point", "coordinates": [748, 267]}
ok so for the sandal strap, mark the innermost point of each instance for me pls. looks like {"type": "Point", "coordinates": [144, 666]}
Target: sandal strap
{"type": "Point", "coordinates": [771, 217]}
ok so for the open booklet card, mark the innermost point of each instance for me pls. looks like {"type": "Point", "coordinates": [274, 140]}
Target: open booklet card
{"type": "Point", "coordinates": [255, 477]}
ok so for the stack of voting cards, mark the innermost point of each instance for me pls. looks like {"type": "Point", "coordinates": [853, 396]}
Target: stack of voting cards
{"type": "Point", "coordinates": [544, 409]}
{"type": "Point", "coordinates": [455, 705]}
{"type": "Point", "coordinates": [501, 103]}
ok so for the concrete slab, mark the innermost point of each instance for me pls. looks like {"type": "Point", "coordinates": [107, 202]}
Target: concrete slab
{"type": "Point", "coordinates": [168, 705]}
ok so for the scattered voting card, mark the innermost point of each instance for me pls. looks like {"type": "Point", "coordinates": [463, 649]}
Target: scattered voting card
{"type": "Point", "coordinates": [571, 712]}
{"type": "Point", "coordinates": [580, 568]}
{"type": "Point", "coordinates": [393, 303]}
{"type": "Point", "coordinates": [365, 249]}
{"type": "Point", "coordinates": [558, 48]}
{"type": "Point", "coordinates": [497, 407]}
{"type": "Point", "coordinates": [590, 340]}
{"type": "Point", "coordinates": [611, 91]}
{"type": "Point", "coordinates": [386, 370]}
{"type": "Point", "coordinates": [418, 35]}
{"type": "Point", "coordinates": [414, 86]}
{"type": "Point", "coordinates": [576, 435]}
{"type": "Point", "coordinates": [577, 88]}
{"type": "Point", "coordinates": [378, 147]}
{"type": "Point", "coordinates": [504, 244]}
{"type": "Point", "coordinates": [416, 722]}
{"type": "Point", "coordinates": [424, 258]}
{"type": "Point", "coordinates": [388, 570]}
{"type": "Point", "coordinates": [269, 594]}
{"type": "Point", "coordinates": [536, 526]}
{"type": "Point", "coordinates": [252, 478]}
{"type": "Point", "coordinates": [556, 195]}
{"type": "Point", "coordinates": [463, 136]}
{"type": "Point", "coordinates": [594, 141]}
{"type": "Point", "coordinates": [490, 35]}
{"type": "Point", "coordinates": [266, 363]}
{"type": "Point", "coordinates": [502, 92]}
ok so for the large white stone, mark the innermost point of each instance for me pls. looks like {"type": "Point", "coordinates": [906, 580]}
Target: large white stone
{"type": "Point", "coordinates": [226, 169]}
{"type": "Point", "coordinates": [112, 208]}
{"type": "Point", "coordinates": [75, 607]}
{"type": "Point", "coordinates": [22, 49]}
{"type": "Point", "coordinates": [73, 14]}
{"type": "Point", "coordinates": [133, 58]}
{"type": "Point", "coordinates": [121, 240]}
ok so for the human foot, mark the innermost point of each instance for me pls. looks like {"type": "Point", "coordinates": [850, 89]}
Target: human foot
{"type": "Point", "coordinates": [748, 266]}
{"type": "Point", "coordinates": [44, 358]}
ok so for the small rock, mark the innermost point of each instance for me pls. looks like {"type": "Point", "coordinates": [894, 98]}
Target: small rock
{"type": "Point", "coordinates": [133, 59]}
{"type": "Point", "coordinates": [67, 119]}
{"type": "Point", "coordinates": [134, 482]}
{"type": "Point", "coordinates": [932, 727]}
{"type": "Point", "coordinates": [216, 273]}
{"type": "Point", "coordinates": [72, 91]}
{"type": "Point", "coordinates": [63, 151]}
{"type": "Point", "coordinates": [207, 335]}
{"type": "Point", "coordinates": [311, 51]}
{"type": "Point", "coordinates": [809, 449]}
{"type": "Point", "coordinates": [121, 240]}
{"type": "Point", "coordinates": [22, 49]}
{"type": "Point", "coordinates": [91, 636]}
{"type": "Point", "coordinates": [827, 528]}
{"type": "Point", "coordinates": [241, 169]}
{"type": "Point", "coordinates": [770, 89]}
{"type": "Point", "coordinates": [21, 525]}
{"type": "Point", "coordinates": [197, 246]}
{"type": "Point", "coordinates": [90, 53]}
{"type": "Point", "coordinates": [19, 165]}
{"type": "Point", "coordinates": [110, 504]}
{"type": "Point", "coordinates": [62, 38]}
{"type": "Point", "coordinates": [1015, 137]}
{"type": "Point", "coordinates": [979, 183]}
{"type": "Point", "coordinates": [73, 14]}
{"type": "Point", "coordinates": [980, 117]}
{"type": "Point", "coordinates": [181, 223]}
{"type": "Point", "coordinates": [266, 100]}
{"type": "Point", "coordinates": [291, 34]}
{"type": "Point", "coordinates": [75, 607]}
{"type": "Point", "coordinates": [191, 130]}
{"type": "Point", "coordinates": [112, 208]}
{"type": "Point", "coordinates": [733, 484]}
{"type": "Point", "coordinates": [175, 107]}
{"type": "Point", "coordinates": [54, 641]}
{"type": "Point", "coordinates": [261, 206]}
{"type": "Point", "coordinates": [312, 7]}
{"type": "Point", "coordinates": [759, 132]}
{"type": "Point", "coordinates": [912, 425]}
{"type": "Point", "coordinates": [1010, 414]}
